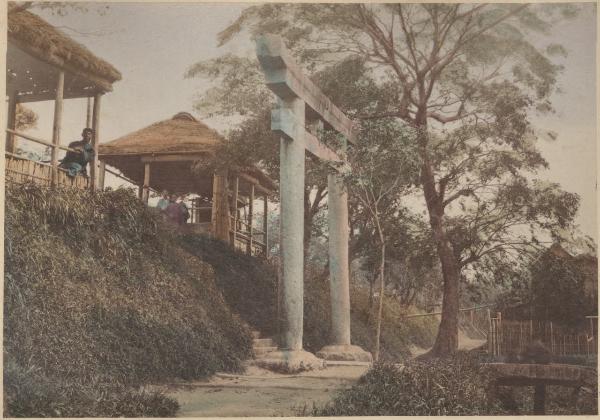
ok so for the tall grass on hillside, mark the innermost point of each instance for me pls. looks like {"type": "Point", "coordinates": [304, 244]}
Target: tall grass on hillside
{"type": "Point", "coordinates": [398, 334]}
{"type": "Point", "coordinates": [97, 290]}
{"type": "Point", "coordinates": [249, 286]}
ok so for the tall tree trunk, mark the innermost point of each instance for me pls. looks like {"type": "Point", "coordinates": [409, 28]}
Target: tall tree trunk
{"type": "Point", "coordinates": [446, 341]}
{"type": "Point", "coordinates": [380, 308]}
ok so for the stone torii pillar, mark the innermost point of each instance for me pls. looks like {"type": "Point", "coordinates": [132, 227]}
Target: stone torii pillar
{"type": "Point", "coordinates": [296, 95]}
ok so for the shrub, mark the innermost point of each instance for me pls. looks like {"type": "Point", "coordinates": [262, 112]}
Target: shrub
{"type": "Point", "coordinates": [28, 393]}
{"type": "Point", "coordinates": [454, 386]}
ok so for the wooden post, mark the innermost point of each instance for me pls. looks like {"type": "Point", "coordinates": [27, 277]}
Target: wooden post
{"type": "Point", "coordinates": [499, 337]}
{"type": "Point", "coordinates": [539, 400]}
{"type": "Point", "coordinates": [250, 220]}
{"type": "Point", "coordinates": [101, 176]}
{"type": "Point", "coordinates": [146, 185]}
{"type": "Point", "coordinates": [220, 208]}
{"type": "Point", "coordinates": [11, 140]}
{"type": "Point", "coordinates": [58, 110]}
{"type": "Point", "coordinates": [88, 115]}
{"type": "Point", "coordinates": [141, 191]}
{"type": "Point", "coordinates": [95, 141]}
{"type": "Point", "coordinates": [490, 336]}
{"type": "Point", "coordinates": [520, 336]}
{"type": "Point", "coordinates": [551, 338]}
{"type": "Point", "coordinates": [266, 225]}
{"type": "Point", "coordinates": [236, 189]}
{"type": "Point", "coordinates": [531, 330]}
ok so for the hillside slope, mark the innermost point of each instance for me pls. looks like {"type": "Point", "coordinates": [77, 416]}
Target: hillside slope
{"type": "Point", "coordinates": [102, 297]}
{"type": "Point", "coordinates": [98, 292]}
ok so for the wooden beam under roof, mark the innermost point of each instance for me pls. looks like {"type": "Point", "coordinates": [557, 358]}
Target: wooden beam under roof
{"type": "Point", "coordinates": [173, 157]}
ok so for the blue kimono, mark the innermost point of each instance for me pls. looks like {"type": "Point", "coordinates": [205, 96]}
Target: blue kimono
{"type": "Point", "coordinates": [76, 162]}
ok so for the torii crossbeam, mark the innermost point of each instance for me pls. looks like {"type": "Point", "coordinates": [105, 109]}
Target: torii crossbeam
{"type": "Point", "coordinates": [297, 96]}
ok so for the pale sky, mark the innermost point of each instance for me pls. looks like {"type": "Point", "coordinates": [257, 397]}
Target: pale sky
{"type": "Point", "coordinates": [152, 45]}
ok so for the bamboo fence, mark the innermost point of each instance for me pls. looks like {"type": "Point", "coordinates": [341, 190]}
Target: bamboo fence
{"type": "Point", "coordinates": [511, 337]}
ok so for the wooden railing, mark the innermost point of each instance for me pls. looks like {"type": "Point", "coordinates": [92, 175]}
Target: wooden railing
{"type": "Point", "coordinates": [21, 169]}
{"type": "Point", "coordinates": [245, 238]}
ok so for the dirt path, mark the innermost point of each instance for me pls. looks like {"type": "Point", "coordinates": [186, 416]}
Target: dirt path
{"type": "Point", "coordinates": [261, 393]}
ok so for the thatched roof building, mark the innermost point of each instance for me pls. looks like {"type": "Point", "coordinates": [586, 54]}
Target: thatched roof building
{"type": "Point", "coordinates": [177, 155]}
{"type": "Point", "coordinates": [44, 64]}
{"type": "Point", "coordinates": [36, 50]}
{"type": "Point", "coordinates": [171, 148]}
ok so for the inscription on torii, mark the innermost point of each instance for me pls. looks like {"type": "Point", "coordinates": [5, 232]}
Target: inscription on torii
{"type": "Point", "coordinates": [297, 95]}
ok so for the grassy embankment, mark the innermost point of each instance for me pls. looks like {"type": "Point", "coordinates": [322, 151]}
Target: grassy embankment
{"type": "Point", "coordinates": [102, 298]}
{"type": "Point", "coordinates": [99, 301]}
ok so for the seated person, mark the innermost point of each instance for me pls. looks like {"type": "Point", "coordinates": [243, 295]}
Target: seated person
{"type": "Point", "coordinates": [164, 201]}
{"type": "Point", "coordinates": [75, 162]}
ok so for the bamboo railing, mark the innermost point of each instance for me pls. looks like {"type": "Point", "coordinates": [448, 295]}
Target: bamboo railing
{"type": "Point", "coordinates": [21, 169]}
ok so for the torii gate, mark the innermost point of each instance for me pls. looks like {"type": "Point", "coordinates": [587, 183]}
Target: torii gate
{"type": "Point", "coordinates": [297, 95]}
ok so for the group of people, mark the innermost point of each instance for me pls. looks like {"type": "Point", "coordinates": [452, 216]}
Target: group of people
{"type": "Point", "coordinates": [174, 208]}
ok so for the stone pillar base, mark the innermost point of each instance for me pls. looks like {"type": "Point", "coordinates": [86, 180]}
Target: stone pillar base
{"type": "Point", "coordinates": [345, 353]}
{"type": "Point", "coordinates": [290, 361]}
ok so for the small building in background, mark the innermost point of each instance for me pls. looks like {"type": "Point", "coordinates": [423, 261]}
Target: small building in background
{"type": "Point", "coordinates": [178, 155]}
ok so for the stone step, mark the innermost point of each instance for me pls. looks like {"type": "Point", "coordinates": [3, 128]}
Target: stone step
{"type": "Point", "coordinates": [259, 351]}
{"type": "Point", "coordinates": [263, 342]}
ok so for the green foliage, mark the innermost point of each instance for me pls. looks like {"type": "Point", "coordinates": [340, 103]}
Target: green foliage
{"type": "Point", "coordinates": [26, 118]}
{"type": "Point", "coordinates": [97, 286]}
{"type": "Point", "coordinates": [397, 333]}
{"type": "Point", "coordinates": [248, 284]}
{"type": "Point", "coordinates": [553, 288]}
{"type": "Point", "coordinates": [250, 288]}
{"type": "Point", "coordinates": [28, 393]}
{"type": "Point", "coordinates": [466, 78]}
{"type": "Point", "coordinates": [455, 386]}
{"type": "Point", "coordinates": [558, 290]}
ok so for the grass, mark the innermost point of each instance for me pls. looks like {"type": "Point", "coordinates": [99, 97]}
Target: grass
{"type": "Point", "coordinates": [98, 291]}
{"type": "Point", "coordinates": [249, 287]}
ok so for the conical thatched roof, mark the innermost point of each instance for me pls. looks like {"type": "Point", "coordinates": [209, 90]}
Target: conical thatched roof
{"type": "Point", "coordinates": [173, 147]}
{"type": "Point", "coordinates": [43, 41]}
{"type": "Point", "coordinates": [182, 133]}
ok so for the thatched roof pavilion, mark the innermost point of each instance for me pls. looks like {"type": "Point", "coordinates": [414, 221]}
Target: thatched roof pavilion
{"type": "Point", "coordinates": [170, 148]}
{"type": "Point", "coordinates": [44, 64]}
{"type": "Point", "coordinates": [176, 155]}
{"type": "Point", "coordinates": [36, 52]}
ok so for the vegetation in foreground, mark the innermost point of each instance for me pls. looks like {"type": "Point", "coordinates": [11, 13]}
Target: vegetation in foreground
{"type": "Point", "coordinates": [457, 386]}
{"type": "Point", "coordinates": [99, 298]}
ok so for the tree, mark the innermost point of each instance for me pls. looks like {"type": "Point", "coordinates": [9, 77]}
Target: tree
{"type": "Point", "coordinates": [465, 78]}
{"type": "Point", "coordinates": [252, 141]}
{"type": "Point", "coordinates": [382, 165]}
{"type": "Point", "coordinates": [25, 118]}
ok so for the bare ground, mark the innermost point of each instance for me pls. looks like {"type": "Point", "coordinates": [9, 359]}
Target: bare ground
{"type": "Point", "coordinates": [262, 393]}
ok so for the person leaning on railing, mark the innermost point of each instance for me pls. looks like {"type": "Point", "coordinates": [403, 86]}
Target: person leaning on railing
{"type": "Point", "coordinates": [75, 162]}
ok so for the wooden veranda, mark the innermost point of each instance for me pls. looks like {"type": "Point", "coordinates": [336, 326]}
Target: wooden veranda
{"type": "Point", "coordinates": [43, 64]}
{"type": "Point", "coordinates": [178, 155]}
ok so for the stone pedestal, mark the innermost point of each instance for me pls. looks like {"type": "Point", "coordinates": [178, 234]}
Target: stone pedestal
{"type": "Point", "coordinates": [290, 361]}
{"type": "Point", "coordinates": [347, 353]}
